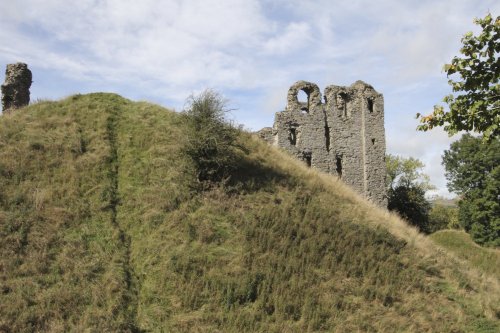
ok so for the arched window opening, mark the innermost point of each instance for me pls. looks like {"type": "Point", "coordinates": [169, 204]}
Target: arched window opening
{"type": "Point", "coordinates": [303, 98]}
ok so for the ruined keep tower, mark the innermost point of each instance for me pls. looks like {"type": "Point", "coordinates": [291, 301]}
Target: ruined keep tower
{"type": "Point", "coordinates": [344, 135]}
{"type": "Point", "coordinates": [16, 88]}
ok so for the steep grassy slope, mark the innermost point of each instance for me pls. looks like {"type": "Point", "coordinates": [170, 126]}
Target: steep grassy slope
{"type": "Point", "coordinates": [101, 229]}
{"type": "Point", "coordinates": [64, 258]}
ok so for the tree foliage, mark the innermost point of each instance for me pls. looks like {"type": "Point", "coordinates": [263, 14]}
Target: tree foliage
{"type": "Point", "coordinates": [212, 140]}
{"type": "Point", "coordinates": [411, 204]}
{"type": "Point", "coordinates": [443, 217]}
{"type": "Point", "coordinates": [473, 171]}
{"type": "Point", "coordinates": [406, 172]}
{"type": "Point", "coordinates": [475, 102]}
{"type": "Point", "coordinates": [406, 187]}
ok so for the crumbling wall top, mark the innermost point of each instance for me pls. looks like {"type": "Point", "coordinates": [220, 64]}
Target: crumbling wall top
{"type": "Point", "coordinates": [362, 85]}
{"type": "Point", "coordinates": [313, 96]}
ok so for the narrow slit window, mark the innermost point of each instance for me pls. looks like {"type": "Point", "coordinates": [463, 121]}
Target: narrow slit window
{"type": "Point", "coordinates": [293, 136]}
{"type": "Point", "coordinates": [339, 165]}
{"type": "Point", "coordinates": [327, 138]}
{"type": "Point", "coordinates": [370, 105]}
{"type": "Point", "coordinates": [373, 141]}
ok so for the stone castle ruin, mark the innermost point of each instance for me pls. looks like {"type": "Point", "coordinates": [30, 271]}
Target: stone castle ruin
{"type": "Point", "coordinates": [16, 88]}
{"type": "Point", "coordinates": [344, 135]}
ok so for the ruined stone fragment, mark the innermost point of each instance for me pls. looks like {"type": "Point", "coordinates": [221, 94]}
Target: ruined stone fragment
{"type": "Point", "coordinates": [16, 88]}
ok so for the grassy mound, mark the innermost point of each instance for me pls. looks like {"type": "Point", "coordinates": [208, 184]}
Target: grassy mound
{"type": "Point", "coordinates": [101, 229]}
{"type": "Point", "coordinates": [459, 242]}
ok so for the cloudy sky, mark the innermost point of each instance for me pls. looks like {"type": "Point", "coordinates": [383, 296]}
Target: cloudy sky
{"type": "Point", "coordinates": [249, 50]}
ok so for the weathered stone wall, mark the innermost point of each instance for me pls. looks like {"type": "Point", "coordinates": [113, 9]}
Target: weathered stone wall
{"type": "Point", "coordinates": [16, 88]}
{"type": "Point", "coordinates": [344, 135]}
{"type": "Point", "coordinates": [266, 134]}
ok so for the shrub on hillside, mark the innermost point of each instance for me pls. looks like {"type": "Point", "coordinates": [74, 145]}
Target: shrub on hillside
{"type": "Point", "coordinates": [212, 140]}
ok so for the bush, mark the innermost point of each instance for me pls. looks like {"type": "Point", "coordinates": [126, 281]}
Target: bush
{"type": "Point", "coordinates": [212, 139]}
{"type": "Point", "coordinates": [411, 204]}
{"type": "Point", "coordinates": [443, 217]}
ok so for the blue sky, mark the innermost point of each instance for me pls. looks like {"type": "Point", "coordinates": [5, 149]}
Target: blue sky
{"type": "Point", "coordinates": [249, 50]}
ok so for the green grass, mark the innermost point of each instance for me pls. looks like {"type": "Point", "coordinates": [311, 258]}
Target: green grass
{"type": "Point", "coordinates": [459, 242]}
{"type": "Point", "coordinates": [102, 229]}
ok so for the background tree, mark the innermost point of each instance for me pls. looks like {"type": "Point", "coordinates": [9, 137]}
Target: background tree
{"type": "Point", "coordinates": [212, 140]}
{"type": "Point", "coordinates": [443, 216]}
{"type": "Point", "coordinates": [475, 104]}
{"type": "Point", "coordinates": [406, 172]}
{"type": "Point", "coordinates": [473, 171]}
{"type": "Point", "coordinates": [406, 187]}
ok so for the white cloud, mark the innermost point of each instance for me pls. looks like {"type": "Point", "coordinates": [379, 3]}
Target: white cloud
{"type": "Point", "coordinates": [181, 42]}
{"type": "Point", "coordinates": [274, 100]}
{"type": "Point", "coordinates": [295, 36]}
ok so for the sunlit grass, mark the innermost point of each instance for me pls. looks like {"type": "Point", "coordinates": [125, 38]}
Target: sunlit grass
{"type": "Point", "coordinates": [460, 244]}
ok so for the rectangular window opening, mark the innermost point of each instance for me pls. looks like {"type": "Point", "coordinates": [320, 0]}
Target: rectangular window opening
{"type": "Point", "coordinates": [293, 136]}
{"type": "Point", "coordinates": [342, 104]}
{"type": "Point", "coordinates": [339, 165]}
{"type": "Point", "coordinates": [370, 105]}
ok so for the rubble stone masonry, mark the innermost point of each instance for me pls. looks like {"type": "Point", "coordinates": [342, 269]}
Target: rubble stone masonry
{"type": "Point", "coordinates": [16, 88]}
{"type": "Point", "coordinates": [342, 135]}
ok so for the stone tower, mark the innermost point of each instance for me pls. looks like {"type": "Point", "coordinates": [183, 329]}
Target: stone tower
{"type": "Point", "coordinates": [16, 88]}
{"type": "Point", "coordinates": [344, 135]}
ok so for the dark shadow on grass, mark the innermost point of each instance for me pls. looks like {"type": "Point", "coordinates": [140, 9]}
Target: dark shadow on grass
{"type": "Point", "coordinates": [251, 176]}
